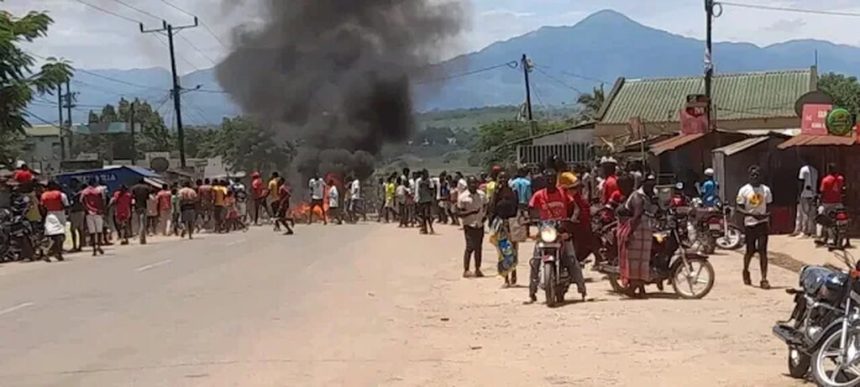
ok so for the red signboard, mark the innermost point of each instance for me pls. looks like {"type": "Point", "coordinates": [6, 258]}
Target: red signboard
{"type": "Point", "coordinates": [814, 120]}
{"type": "Point", "coordinates": [693, 121]}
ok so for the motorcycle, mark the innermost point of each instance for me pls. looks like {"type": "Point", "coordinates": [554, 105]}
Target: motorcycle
{"type": "Point", "coordinates": [690, 274]}
{"type": "Point", "coordinates": [817, 310]}
{"type": "Point", "coordinates": [727, 235]}
{"type": "Point", "coordinates": [553, 276]}
{"type": "Point", "coordinates": [835, 361]}
{"type": "Point", "coordinates": [603, 226]}
{"type": "Point", "coordinates": [835, 225]}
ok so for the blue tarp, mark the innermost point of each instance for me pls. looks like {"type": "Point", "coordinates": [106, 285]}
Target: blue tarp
{"type": "Point", "coordinates": [112, 177]}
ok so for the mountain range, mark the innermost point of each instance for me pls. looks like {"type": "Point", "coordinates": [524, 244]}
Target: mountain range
{"type": "Point", "coordinates": [566, 60]}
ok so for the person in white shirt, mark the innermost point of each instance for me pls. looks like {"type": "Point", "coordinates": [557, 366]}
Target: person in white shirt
{"type": "Point", "coordinates": [354, 201]}
{"type": "Point", "coordinates": [334, 203]}
{"type": "Point", "coordinates": [471, 206]}
{"type": "Point", "coordinates": [752, 202]}
{"type": "Point", "coordinates": [317, 188]}
{"type": "Point", "coordinates": [806, 211]}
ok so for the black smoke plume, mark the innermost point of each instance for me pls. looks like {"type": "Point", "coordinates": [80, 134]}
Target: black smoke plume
{"type": "Point", "coordinates": [334, 76]}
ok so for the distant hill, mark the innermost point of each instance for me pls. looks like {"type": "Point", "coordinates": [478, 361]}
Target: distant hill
{"type": "Point", "coordinates": [596, 50]}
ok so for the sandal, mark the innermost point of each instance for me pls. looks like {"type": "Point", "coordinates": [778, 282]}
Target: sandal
{"type": "Point", "coordinates": [764, 284]}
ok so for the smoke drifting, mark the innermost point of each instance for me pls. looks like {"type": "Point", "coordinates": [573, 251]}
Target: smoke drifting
{"type": "Point", "coordinates": [334, 75]}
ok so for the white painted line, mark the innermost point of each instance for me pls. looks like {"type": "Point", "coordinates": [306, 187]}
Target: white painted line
{"type": "Point", "coordinates": [16, 307]}
{"type": "Point", "coordinates": [234, 243]}
{"type": "Point", "coordinates": [154, 265]}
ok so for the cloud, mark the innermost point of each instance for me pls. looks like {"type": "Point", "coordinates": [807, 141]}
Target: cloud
{"type": "Point", "coordinates": [505, 13]}
{"type": "Point", "coordinates": [786, 26]}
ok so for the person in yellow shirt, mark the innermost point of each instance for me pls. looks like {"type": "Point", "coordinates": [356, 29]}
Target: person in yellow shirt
{"type": "Point", "coordinates": [390, 190]}
{"type": "Point", "coordinates": [219, 196]}
{"type": "Point", "coordinates": [275, 196]}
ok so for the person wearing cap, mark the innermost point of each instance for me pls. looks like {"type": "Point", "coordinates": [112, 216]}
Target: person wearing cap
{"type": "Point", "coordinates": [553, 203]}
{"type": "Point", "coordinates": [610, 190]}
{"type": "Point", "coordinates": [580, 230]}
{"type": "Point", "coordinates": [709, 189]}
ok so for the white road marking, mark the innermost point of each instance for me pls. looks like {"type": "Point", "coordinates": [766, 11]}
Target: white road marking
{"type": "Point", "coordinates": [16, 307]}
{"type": "Point", "coordinates": [233, 243]}
{"type": "Point", "coordinates": [153, 265]}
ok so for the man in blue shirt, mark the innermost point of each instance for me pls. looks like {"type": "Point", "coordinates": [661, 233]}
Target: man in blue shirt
{"type": "Point", "coordinates": [523, 187]}
{"type": "Point", "coordinates": [709, 189]}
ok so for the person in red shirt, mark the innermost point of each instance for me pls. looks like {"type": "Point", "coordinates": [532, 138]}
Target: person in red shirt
{"type": "Point", "coordinates": [258, 189]}
{"type": "Point", "coordinates": [164, 207]}
{"type": "Point", "coordinates": [23, 175]}
{"type": "Point", "coordinates": [553, 203]}
{"type": "Point", "coordinates": [55, 202]}
{"type": "Point", "coordinates": [611, 191]}
{"type": "Point", "coordinates": [580, 230]}
{"type": "Point", "coordinates": [94, 206]}
{"type": "Point", "coordinates": [832, 186]}
{"type": "Point", "coordinates": [121, 203]}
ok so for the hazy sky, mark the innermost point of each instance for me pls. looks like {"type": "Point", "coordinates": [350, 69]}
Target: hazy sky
{"type": "Point", "coordinates": [92, 39]}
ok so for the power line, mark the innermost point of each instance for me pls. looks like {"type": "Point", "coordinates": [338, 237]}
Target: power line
{"type": "Point", "coordinates": [147, 13]}
{"type": "Point", "coordinates": [44, 121]}
{"type": "Point", "coordinates": [201, 52]}
{"type": "Point", "coordinates": [556, 80]}
{"type": "Point", "coordinates": [788, 9]}
{"type": "Point", "coordinates": [205, 26]}
{"type": "Point", "coordinates": [511, 64]}
{"type": "Point", "coordinates": [184, 59]}
{"type": "Point", "coordinates": [126, 18]}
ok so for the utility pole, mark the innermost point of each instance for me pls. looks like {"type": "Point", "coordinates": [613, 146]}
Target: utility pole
{"type": "Point", "coordinates": [133, 136]}
{"type": "Point", "coordinates": [709, 60]}
{"type": "Point", "coordinates": [171, 31]}
{"type": "Point", "coordinates": [526, 69]}
{"type": "Point", "coordinates": [62, 125]}
{"type": "Point", "coordinates": [70, 103]}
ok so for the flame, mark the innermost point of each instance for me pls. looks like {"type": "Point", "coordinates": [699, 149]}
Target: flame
{"type": "Point", "coordinates": [301, 211]}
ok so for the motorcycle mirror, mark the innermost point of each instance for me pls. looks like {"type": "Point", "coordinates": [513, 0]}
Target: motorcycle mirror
{"type": "Point", "coordinates": [679, 185]}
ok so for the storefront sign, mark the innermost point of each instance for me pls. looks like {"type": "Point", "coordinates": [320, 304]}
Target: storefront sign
{"type": "Point", "coordinates": [840, 122]}
{"type": "Point", "coordinates": [814, 119]}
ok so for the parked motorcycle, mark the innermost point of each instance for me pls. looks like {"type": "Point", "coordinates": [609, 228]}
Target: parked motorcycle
{"type": "Point", "coordinates": [835, 225]}
{"type": "Point", "coordinates": [553, 276]}
{"type": "Point", "coordinates": [836, 362]}
{"type": "Point", "coordinates": [690, 274]}
{"type": "Point", "coordinates": [817, 312]}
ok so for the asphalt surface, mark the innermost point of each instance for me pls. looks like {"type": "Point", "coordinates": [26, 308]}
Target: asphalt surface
{"type": "Point", "coordinates": [363, 305]}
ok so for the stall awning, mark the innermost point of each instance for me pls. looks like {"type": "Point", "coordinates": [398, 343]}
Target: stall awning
{"type": "Point", "coordinates": [817, 140]}
{"type": "Point", "coordinates": [674, 142]}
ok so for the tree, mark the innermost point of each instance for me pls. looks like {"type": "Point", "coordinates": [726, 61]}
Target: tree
{"type": "Point", "coordinates": [497, 141]}
{"type": "Point", "coordinates": [845, 90]}
{"type": "Point", "coordinates": [591, 103]}
{"type": "Point", "coordinates": [152, 137]}
{"type": "Point", "coordinates": [17, 81]}
{"type": "Point", "coordinates": [247, 146]}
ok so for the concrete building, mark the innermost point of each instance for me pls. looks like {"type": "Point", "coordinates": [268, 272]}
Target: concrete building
{"type": "Point", "coordinates": [42, 148]}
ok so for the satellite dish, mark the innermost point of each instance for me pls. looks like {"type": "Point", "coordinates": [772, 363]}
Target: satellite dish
{"type": "Point", "coordinates": [815, 97]}
{"type": "Point", "coordinates": [159, 164]}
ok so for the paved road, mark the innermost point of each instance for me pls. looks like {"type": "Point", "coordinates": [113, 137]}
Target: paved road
{"type": "Point", "coordinates": [361, 305]}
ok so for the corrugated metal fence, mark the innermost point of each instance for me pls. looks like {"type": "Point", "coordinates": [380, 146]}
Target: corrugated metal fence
{"type": "Point", "coordinates": [538, 154]}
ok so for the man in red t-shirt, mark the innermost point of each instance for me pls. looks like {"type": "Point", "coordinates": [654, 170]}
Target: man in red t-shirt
{"type": "Point", "coordinates": [94, 206]}
{"type": "Point", "coordinates": [23, 175]}
{"type": "Point", "coordinates": [164, 207]}
{"type": "Point", "coordinates": [611, 191]}
{"type": "Point", "coordinates": [121, 203]}
{"type": "Point", "coordinates": [258, 189]}
{"type": "Point", "coordinates": [55, 202]}
{"type": "Point", "coordinates": [832, 190]}
{"type": "Point", "coordinates": [553, 203]}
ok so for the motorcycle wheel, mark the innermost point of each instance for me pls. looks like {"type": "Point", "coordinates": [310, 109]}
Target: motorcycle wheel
{"type": "Point", "coordinates": [687, 280]}
{"type": "Point", "coordinates": [827, 366]}
{"type": "Point", "coordinates": [731, 240]}
{"type": "Point", "coordinates": [549, 280]}
{"type": "Point", "coordinates": [798, 363]}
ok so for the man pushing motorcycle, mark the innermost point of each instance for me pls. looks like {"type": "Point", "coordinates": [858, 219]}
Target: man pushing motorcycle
{"type": "Point", "coordinates": [553, 203]}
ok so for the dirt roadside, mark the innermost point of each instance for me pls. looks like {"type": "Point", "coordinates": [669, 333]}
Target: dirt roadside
{"type": "Point", "coordinates": [398, 313]}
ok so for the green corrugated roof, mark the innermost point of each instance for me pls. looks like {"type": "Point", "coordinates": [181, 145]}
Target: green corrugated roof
{"type": "Point", "coordinates": [736, 96]}
{"type": "Point", "coordinates": [103, 128]}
